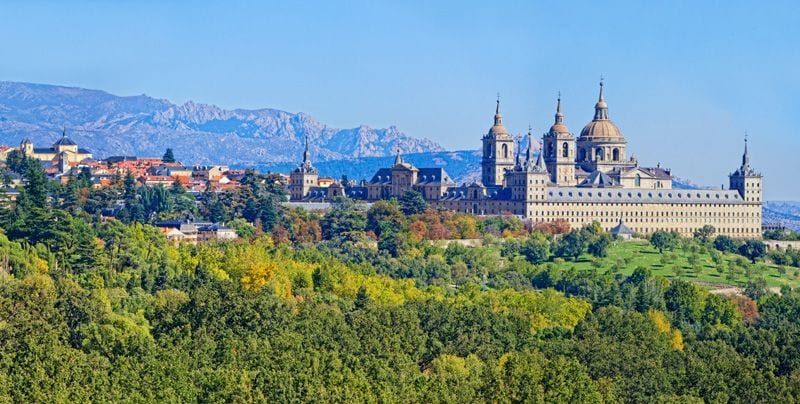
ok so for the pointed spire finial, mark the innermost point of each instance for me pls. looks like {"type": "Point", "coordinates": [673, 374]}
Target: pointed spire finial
{"type": "Point", "coordinates": [540, 166]}
{"type": "Point", "coordinates": [745, 157]}
{"type": "Point", "coordinates": [601, 108]}
{"type": "Point", "coordinates": [398, 159]}
{"type": "Point", "coordinates": [601, 89]}
{"type": "Point", "coordinates": [306, 154]}
{"type": "Point", "coordinates": [498, 118]}
{"type": "Point", "coordinates": [559, 115]}
{"type": "Point", "coordinates": [528, 153]}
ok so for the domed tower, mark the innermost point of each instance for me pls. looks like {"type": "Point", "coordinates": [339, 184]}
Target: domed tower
{"type": "Point", "coordinates": [601, 145]}
{"type": "Point", "coordinates": [746, 180]}
{"type": "Point", "coordinates": [65, 144]}
{"type": "Point", "coordinates": [498, 152]}
{"type": "Point", "coordinates": [559, 151]}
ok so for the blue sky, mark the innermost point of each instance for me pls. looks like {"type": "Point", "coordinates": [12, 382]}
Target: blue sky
{"type": "Point", "coordinates": [684, 80]}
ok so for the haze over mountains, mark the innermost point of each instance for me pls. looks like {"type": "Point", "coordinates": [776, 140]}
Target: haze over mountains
{"type": "Point", "coordinates": [200, 133]}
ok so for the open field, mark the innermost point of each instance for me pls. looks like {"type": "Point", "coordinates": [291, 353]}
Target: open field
{"type": "Point", "coordinates": [624, 257]}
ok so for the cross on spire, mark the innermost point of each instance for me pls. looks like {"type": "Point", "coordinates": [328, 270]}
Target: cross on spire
{"type": "Point", "coordinates": [498, 119]}
{"type": "Point", "coordinates": [601, 88]}
{"type": "Point", "coordinates": [745, 156]}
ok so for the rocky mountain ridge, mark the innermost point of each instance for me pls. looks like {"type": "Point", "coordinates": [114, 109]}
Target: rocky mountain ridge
{"type": "Point", "coordinates": [199, 133]}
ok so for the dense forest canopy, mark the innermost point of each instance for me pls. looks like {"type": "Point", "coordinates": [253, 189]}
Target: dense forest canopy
{"type": "Point", "coordinates": [364, 305]}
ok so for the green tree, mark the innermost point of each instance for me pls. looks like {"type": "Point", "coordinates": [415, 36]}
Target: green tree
{"type": "Point", "coordinates": [169, 156]}
{"type": "Point", "coordinates": [412, 203]}
{"type": "Point", "coordinates": [662, 240]}
{"type": "Point", "coordinates": [725, 244]}
{"type": "Point", "coordinates": [756, 288]}
{"type": "Point", "coordinates": [598, 247]}
{"type": "Point", "coordinates": [570, 245]}
{"type": "Point", "coordinates": [753, 249]}
{"type": "Point", "coordinates": [704, 233]}
{"type": "Point", "coordinates": [535, 249]}
{"type": "Point", "coordinates": [36, 187]}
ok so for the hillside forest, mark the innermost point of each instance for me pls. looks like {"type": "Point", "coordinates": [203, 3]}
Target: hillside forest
{"type": "Point", "coordinates": [375, 304]}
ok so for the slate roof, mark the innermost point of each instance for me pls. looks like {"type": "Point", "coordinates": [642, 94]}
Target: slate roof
{"type": "Point", "coordinates": [620, 229]}
{"type": "Point", "coordinates": [598, 179]}
{"type": "Point", "coordinates": [44, 150]}
{"type": "Point", "coordinates": [642, 195]}
{"type": "Point", "coordinates": [425, 176]}
{"type": "Point", "coordinates": [316, 193]}
{"type": "Point", "coordinates": [382, 176]}
{"type": "Point", "coordinates": [64, 141]}
{"type": "Point", "coordinates": [462, 192]}
{"type": "Point", "coordinates": [432, 176]}
{"type": "Point", "coordinates": [356, 192]}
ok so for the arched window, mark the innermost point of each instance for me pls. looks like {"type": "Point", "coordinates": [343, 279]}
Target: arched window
{"type": "Point", "coordinates": [600, 154]}
{"type": "Point", "coordinates": [638, 180]}
{"type": "Point", "coordinates": [615, 154]}
{"type": "Point", "coordinates": [581, 154]}
{"type": "Point", "coordinates": [565, 150]}
{"type": "Point", "coordinates": [550, 151]}
{"type": "Point", "coordinates": [505, 151]}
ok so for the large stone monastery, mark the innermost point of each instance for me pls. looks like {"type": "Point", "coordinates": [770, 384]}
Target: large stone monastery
{"type": "Point", "coordinates": [581, 180]}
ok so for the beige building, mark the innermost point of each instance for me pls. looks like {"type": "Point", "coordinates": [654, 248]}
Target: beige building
{"type": "Point", "coordinates": [63, 151]}
{"type": "Point", "coordinates": [579, 179]}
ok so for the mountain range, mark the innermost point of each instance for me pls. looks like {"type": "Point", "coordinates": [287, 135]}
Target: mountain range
{"type": "Point", "coordinates": [109, 125]}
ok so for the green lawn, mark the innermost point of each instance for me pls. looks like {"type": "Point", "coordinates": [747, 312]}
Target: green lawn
{"type": "Point", "coordinates": [626, 256]}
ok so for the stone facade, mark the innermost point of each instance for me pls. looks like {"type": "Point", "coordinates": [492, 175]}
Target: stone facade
{"type": "Point", "coordinates": [63, 151]}
{"type": "Point", "coordinates": [581, 180]}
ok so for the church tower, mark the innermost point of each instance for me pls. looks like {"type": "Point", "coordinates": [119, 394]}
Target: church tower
{"type": "Point", "coordinates": [26, 148]}
{"type": "Point", "coordinates": [601, 145]}
{"type": "Point", "coordinates": [559, 151]}
{"type": "Point", "coordinates": [303, 177]}
{"type": "Point", "coordinates": [746, 180]}
{"type": "Point", "coordinates": [498, 152]}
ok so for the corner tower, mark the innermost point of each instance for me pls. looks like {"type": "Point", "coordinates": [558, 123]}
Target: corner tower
{"type": "Point", "coordinates": [498, 152]}
{"type": "Point", "coordinates": [746, 180]}
{"type": "Point", "coordinates": [303, 177]}
{"type": "Point", "coordinates": [559, 151]}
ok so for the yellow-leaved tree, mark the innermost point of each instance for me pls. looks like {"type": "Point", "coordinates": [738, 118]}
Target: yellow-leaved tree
{"type": "Point", "coordinates": [662, 325]}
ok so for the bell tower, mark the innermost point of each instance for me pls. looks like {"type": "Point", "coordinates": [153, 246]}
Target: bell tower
{"type": "Point", "coordinates": [559, 151]}
{"type": "Point", "coordinates": [303, 177]}
{"type": "Point", "coordinates": [746, 180]}
{"type": "Point", "coordinates": [498, 152]}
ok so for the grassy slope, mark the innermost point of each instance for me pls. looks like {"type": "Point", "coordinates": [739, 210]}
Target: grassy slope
{"type": "Point", "coordinates": [634, 254]}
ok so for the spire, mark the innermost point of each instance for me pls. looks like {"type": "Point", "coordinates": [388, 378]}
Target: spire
{"type": "Point", "coordinates": [398, 159]}
{"type": "Point", "coordinates": [601, 90]}
{"type": "Point", "coordinates": [559, 115]}
{"type": "Point", "coordinates": [745, 157]}
{"type": "Point", "coordinates": [540, 167]}
{"type": "Point", "coordinates": [306, 158]}
{"type": "Point", "coordinates": [498, 118]}
{"type": "Point", "coordinates": [64, 132]}
{"type": "Point", "coordinates": [601, 108]}
{"type": "Point", "coordinates": [519, 151]}
{"type": "Point", "coordinates": [528, 156]}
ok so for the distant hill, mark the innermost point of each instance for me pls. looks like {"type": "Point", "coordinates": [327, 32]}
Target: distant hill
{"type": "Point", "coordinates": [786, 213]}
{"type": "Point", "coordinates": [199, 133]}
